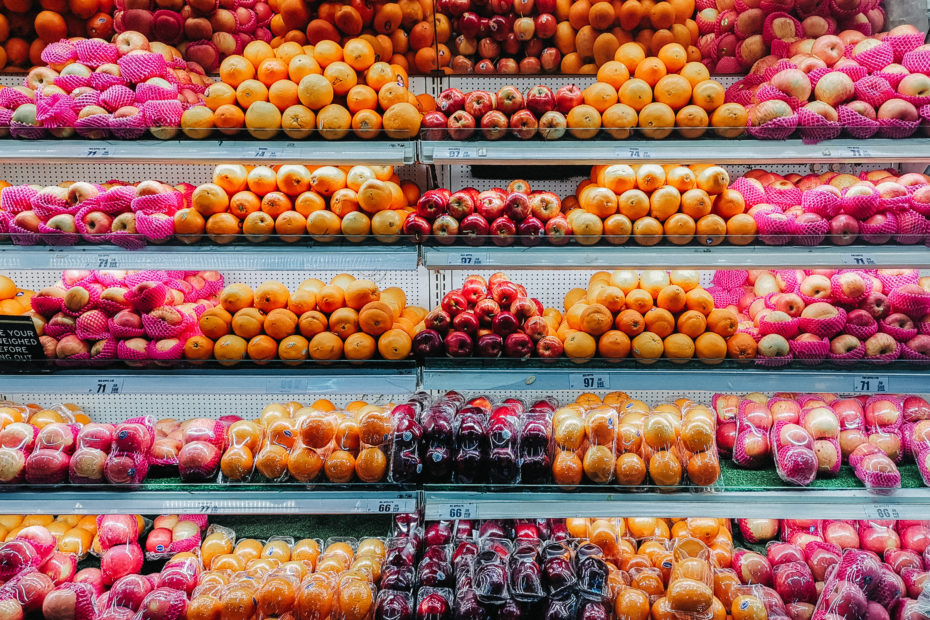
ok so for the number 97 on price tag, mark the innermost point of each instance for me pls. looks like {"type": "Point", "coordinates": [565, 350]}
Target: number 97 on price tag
{"type": "Point", "coordinates": [589, 381]}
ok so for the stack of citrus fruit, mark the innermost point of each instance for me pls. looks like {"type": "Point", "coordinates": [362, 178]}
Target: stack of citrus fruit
{"type": "Point", "coordinates": [13, 301]}
{"type": "Point", "coordinates": [27, 27]}
{"type": "Point", "coordinates": [324, 89]}
{"type": "Point", "coordinates": [651, 316]}
{"type": "Point", "coordinates": [650, 203]}
{"type": "Point", "coordinates": [290, 441]}
{"type": "Point", "coordinates": [657, 94]}
{"type": "Point", "coordinates": [621, 440]}
{"type": "Point", "coordinates": [284, 578]}
{"type": "Point", "coordinates": [289, 202]}
{"type": "Point", "coordinates": [345, 319]}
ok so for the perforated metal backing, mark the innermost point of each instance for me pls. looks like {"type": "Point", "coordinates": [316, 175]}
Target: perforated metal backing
{"type": "Point", "coordinates": [115, 408]}
{"type": "Point", "coordinates": [130, 172]}
{"type": "Point", "coordinates": [494, 82]}
{"type": "Point", "coordinates": [413, 283]}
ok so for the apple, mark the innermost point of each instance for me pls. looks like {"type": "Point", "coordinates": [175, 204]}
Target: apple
{"type": "Point", "coordinates": [27, 220]}
{"type": "Point", "coordinates": [539, 100]}
{"type": "Point", "coordinates": [880, 344]}
{"type": "Point", "coordinates": [523, 124]}
{"type": "Point", "coordinates": [130, 41]}
{"type": "Point", "coordinates": [435, 123]}
{"type": "Point", "coordinates": [124, 222]}
{"type": "Point", "coordinates": [478, 103]}
{"type": "Point", "coordinates": [568, 97]}
{"type": "Point", "coordinates": [458, 344]}
{"type": "Point", "coordinates": [762, 113]}
{"type": "Point", "coordinates": [792, 82]}
{"type": "Point", "coordinates": [494, 125]}
{"type": "Point", "coordinates": [490, 205]}
{"type": "Point", "coordinates": [844, 229]}
{"type": "Point", "coordinates": [834, 88]}
{"type": "Point", "coordinates": [788, 303]}
{"type": "Point", "coordinates": [461, 125]}
{"type": "Point", "coordinates": [97, 222]}
{"type": "Point", "coordinates": [773, 345]}
{"type": "Point", "coordinates": [828, 48]}
{"type": "Point", "coordinates": [844, 344]}
{"type": "Point", "coordinates": [920, 343]}
{"type": "Point", "coordinates": [816, 286]}
{"type": "Point", "coordinates": [509, 99]}
{"type": "Point", "coordinates": [898, 109]}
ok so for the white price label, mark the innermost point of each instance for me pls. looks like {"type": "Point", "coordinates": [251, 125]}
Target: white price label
{"type": "Point", "coordinates": [632, 152]}
{"type": "Point", "coordinates": [387, 506]}
{"type": "Point", "coordinates": [858, 259]}
{"type": "Point", "coordinates": [105, 261]}
{"type": "Point", "coordinates": [459, 152]}
{"type": "Point", "coordinates": [871, 384]}
{"type": "Point", "coordinates": [97, 151]}
{"type": "Point", "coordinates": [589, 381]}
{"type": "Point", "coordinates": [461, 511]}
{"type": "Point", "coordinates": [467, 259]}
{"type": "Point", "coordinates": [106, 385]}
{"type": "Point", "coordinates": [283, 151]}
{"type": "Point", "coordinates": [858, 151]}
{"type": "Point", "coordinates": [881, 511]}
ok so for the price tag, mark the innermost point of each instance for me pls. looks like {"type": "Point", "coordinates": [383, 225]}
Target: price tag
{"type": "Point", "coordinates": [469, 259]}
{"type": "Point", "coordinates": [871, 384]}
{"type": "Point", "coordinates": [858, 259]}
{"type": "Point", "coordinates": [632, 152]}
{"type": "Point", "coordinates": [589, 381]}
{"type": "Point", "coordinates": [106, 385]}
{"type": "Point", "coordinates": [387, 506]}
{"type": "Point", "coordinates": [858, 152]}
{"type": "Point", "coordinates": [106, 261]}
{"type": "Point", "coordinates": [97, 151]}
{"type": "Point", "coordinates": [881, 511]}
{"type": "Point", "coordinates": [283, 151]}
{"type": "Point", "coordinates": [461, 511]}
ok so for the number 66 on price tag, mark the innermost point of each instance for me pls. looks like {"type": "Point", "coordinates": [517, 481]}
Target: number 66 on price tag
{"type": "Point", "coordinates": [461, 511]}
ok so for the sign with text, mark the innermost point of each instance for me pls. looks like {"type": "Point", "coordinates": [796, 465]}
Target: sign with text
{"type": "Point", "coordinates": [18, 341]}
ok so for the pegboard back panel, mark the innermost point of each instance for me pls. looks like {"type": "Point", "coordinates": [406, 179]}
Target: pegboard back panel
{"type": "Point", "coordinates": [539, 284]}
{"type": "Point", "coordinates": [40, 173]}
{"type": "Point", "coordinates": [414, 283]}
{"type": "Point", "coordinates": [493, 83]}
{"type": "Point", "coordinates": [115, 408]}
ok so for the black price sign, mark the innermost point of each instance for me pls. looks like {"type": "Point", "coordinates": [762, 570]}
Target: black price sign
{"type": "Point", "coordinates": [18, 340]}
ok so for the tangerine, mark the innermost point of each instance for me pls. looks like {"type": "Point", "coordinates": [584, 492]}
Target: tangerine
{"type": "Point", "coordinates": [630, 469]}
{"type": "Point", "coordinates": [340, 466]}
{"type": "Point", "coordinates": [567, 468]}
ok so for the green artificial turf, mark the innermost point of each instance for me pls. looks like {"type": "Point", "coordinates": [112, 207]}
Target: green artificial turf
{"type": "Point", "coordinates": [736, 479]}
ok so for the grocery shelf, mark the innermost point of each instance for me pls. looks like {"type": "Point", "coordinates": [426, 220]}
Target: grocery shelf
{"type": "Point", "coordinates": [560, 152]}
{"type": "Point", "coordinates": [209, 151]}
{"type": "Point", "coordinates": [265, 501]}
{"type": "Point", "coordinates": [631, 255]}
{"type": "Point", "coordinates": [399, 378]}
{"type": "Point", "coordinates": [292, 257]}
{"type": "Point", "coordinates": [800, 503]}
{"type": "Point", "coordinates": [534, 375]}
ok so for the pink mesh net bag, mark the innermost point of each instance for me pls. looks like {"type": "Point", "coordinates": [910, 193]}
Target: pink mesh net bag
{"type": "Point", "coordinates": [767, 92]}
{"type": "Point", "coordinates": [86, 99]}
{"type": "Point", "coordinates": [70, 82]}
{"type": "Point", "coordinates": [917, 61]}
{"type": "Point", "coordinates": [778, 129]}
{"type": "Point", "coordinates": [168, 203]}
{"type": "Point", "coordinates": [163, 113]}
{"type": "Point", "coordinates": [156, 227]}
{"type": "Point", "coordinates": [92, 326]}
{"type": "Point", "coordinates": [874, 90]}
{"type": "Point", "coordinates": [93, 298]}
{"type": "Point", "coordinates": [128, 127]}
{"type": "Point", "coordinates": [730, 278]}
{"type": "Point", "coordinates": [20, 235]}
{"type": "Point", "coordinates": [901, 44]}
{"type": "Point", "coordinates": [12, 99]}
{"type": "Point", "coordinates": [167, 349]}
{"type": "Point", "coordinates": [862, 206]}
{"type": "Point", "coordinates": [774, 228]}
{"type": "Point", "coordinates": [146, 276]}
{"type": "Point", "coordinates": [158, 327]}
{"type": "Point", "coordinates": [58, 328]}
{"type": "Point", "coordinates": [146, 296]}
{"type": "Point", "coordinates": [910, 301]}
{"type": "Point", "coordinates": [775, 361]}
{"type": "Point", "coordinates": [788, 329]}
{"type": "Point", "coordinates": [740, 92]}
{"type": "Point", "coordinates": [26, 131]}
{"type": "Point", "coordinates": [915, 357]}
{"type": "Point", "coordinates": [115, 97]}
{"type": "Point", "coordinates": [810, 353]}
{"type": "Point", "coordinates": [93, 52]}
{"type": "Point", "coordinates": [825, 328]}
{"type": "Point", "coordinates": [848, 358]}
{"type": "Point", "coordinates": [123, 331]}
{"type": "Point", "coordinates": [810, 233]}
{"type": "Point", "coordinates": [140, 67]}
{"type": "Point", "coordinates": [53, 236]}
{"type": "Point", "coordinates": [103, 81]}
{"type": "Point", "coordinates": [892, 279]}
{"type": "Point", "coordinates": [96, 127]}
{"type": "Point", "coordinates": [878, 233]}
{"type": "Point", "coordinates": [855, 124]}
{"type": "Point", "coordinates": [838, 291]}
{"type": "Point", "coordinates": [893, 79]}
{"type": "Point", "coordinates": [106, 351]}
{"type": "Point", "coordinates": [815, 128]}
{"type": "Point", "coordinates": [815, 75]}
{"type": "Point", "coordinates": [47, 205]}
{"type": "Point", "coordinates": [126, 240]}
{"type": "Point", "coordinates": [46, 305]}
{"type": "Point", "coordinates": [788, 196]}
{"type": "Point", "coordinates": [751, 193]}
{"type": "Point", "coordinates": [17, 198]}
{"type": "Point", "coordinates": [59, 53]}
{"type": "Point", "coordinates": [876, 58]}
{"type": "Point", "coordinates": [884, 358]}
{"type": "Point", "coordinates": [896, 128]}
{"type": "Point", "coordinates": [862, 332]}
{"type": "Point", "coordinates": [824, 203]}
{"type": "Point", "coordinates": [153, 92]}
{"type": "Point", "coordinates": [916, 100]}
{"type": "Point", "coordinates": [117, 198]}
{"type": "Point", "coordinates": [855, 72]}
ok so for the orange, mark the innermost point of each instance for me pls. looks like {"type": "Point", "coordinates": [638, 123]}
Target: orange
{"type": "Point", "coordinates": [257, 51]}
{"type": "Point", "coordinates": [341, 76]}
{"type": "Point", "coordinates": [315, 91]}
{"type": "Point", "coordinates": [679, 348]}
{"type": "Point", "coordinates": [647, 347]}
{"type": "Point", "coordinates": [220, 93]}
{"type": "Point", "coordinates": [283, 94]}
{"type": "Point", "coordinates": [741, 229]}
{"type": "Point", "coordinates": [271, 461]}
{"type": "Point", "coordinates": [358, 54]}
{"type": "Point", "coordinates": [301, 66]}
{"type": "Point", "coordinates": [249, 92]}
{"type": "Point", "coordinates": [293, 349]}
{"type": "Point", "coordinates": [229, 119]}
{"type": "Point", "coordinates": [723, 322]}
{"type": "Point", "coordinates": [703, 468]}
{"type": "Point", "coordinates": [598, 464]}
{"type": "Point", "coordinates": [567, 468]}
{"type": "Point", "coordinates": [601, 95]}
{"type": "Point", "coordinates": [236, 69]}
{"type": "Point", "coordinates": [630, 469]}
{"type": "Point", "coordinates": [729, 120]}
{"type": "Point", "coordinates": [696, 203]}
{"type": "Point", "coordinates": [711, 348]}
{"type": "Point", "coordinates": [748, 607]}
{"type": "Point", "coordinates": [673, 56]}
{"type": "Point", "coordinates": [333, 122]}
{"type": "Point", "coordinates": [402, 121]}
{"type": "Point", "coordinates": [635, 93]}
{"type": "Point", "coordinates": [673, 90]}
{"type": "Point", "coordinates": [630, 54]}
{"type": "Point", "coordinates": [340, 466]}
{"type": "Point", "coordinates": [665, 468]}
{"type": "Point", "coordinates": [270, 70]}
{"type": "Point", "coordinates": [729, 203]}
{"type": "Point", "coordinates": [657, 120]}
{"type": "Point", "coordinates": [394, 344]}
{"type": "Point", "coordinates": [711, 229]}
{"type": "Point", "coordinates": [584, 121]}
{"type": "Point", "coordinates": [650, 70]}
{"type": "Point", "coordinates": [613, 73]}
{"type": "Point", "coordinates": [371, 465]}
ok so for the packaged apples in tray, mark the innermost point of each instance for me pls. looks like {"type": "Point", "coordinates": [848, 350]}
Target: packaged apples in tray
{"type": "Point", "coordinates": [203, 441]}
{"type": "Point", "coordinates": [94, 442]}
{"type": "Point", "coordinates": [795, 460]}
{"type": "Point", "coordinates": [172, 534]}
{"type": "Point", "coordinates": [858, 582]}
{"type": "Point", "coordinates": [884, 417]}
{"type": "Point", "coordinates": [752, 449]}
{"type": "Point", "coordinates": [536, 442]}
{"type": "Point", "coordinates": [128, 460]}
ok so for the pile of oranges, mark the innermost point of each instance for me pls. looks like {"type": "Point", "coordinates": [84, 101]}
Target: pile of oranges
{"type": "Point", "coordinates": [292, 441]}
{"type": "Point", "coordinates": [650, 203]}
{"type": "Point", "coordinates": [620, 440]}
{"type": "Point", "coordinates": [284, 578]}
{"type": "Point", "coordinates": [324, 89]}
{"type": "Point", "coordinates": [653, 315]}
{"type": "Point", "coordinates": [26, 27]}
{"type": "Point", "coordinates": [401, 32]}
{"type": "Point", "coordinates": [288, 203]}
{"type": "Point", "coordinates": [663, 557]}
{"type": "Point", "coordinates": [654, 95]}
{"type": "Point", "coordinates": [346, 319]}
{"type": "Point", "coordinates": [73, 533]}
{"type": "Point", "coordinates": [13, 300]}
